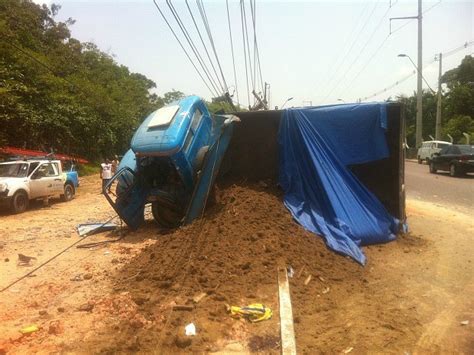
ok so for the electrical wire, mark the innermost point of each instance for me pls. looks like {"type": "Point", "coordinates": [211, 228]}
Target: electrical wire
{"type": "Point", "coordinates": [409, 21]}
{"type": "Point", "coordinates": [245, 52]}
{"type": "Point", "coordinates": [350, 48]}
{"type": "Point", "coordinates": [248, 46]}
{"type": "Point", "coordinates": [398, 82]}
{"type": "Point", "coordinates": [191, 44]}
{"type": "Point", "coordinates": [232, 51]}
{"type": "Point", "coordinates": [204, 45]}
{"type": "Point", "coordinates": [338, 61]}
{"type": "Point", "coordinates": [184, 49]}
{"type": "Point", "coordinates": [202, 11]}
{"type": "Point", "coordinates": [344, 76]}
{"type": "Point", "coordinates": [253, 7]}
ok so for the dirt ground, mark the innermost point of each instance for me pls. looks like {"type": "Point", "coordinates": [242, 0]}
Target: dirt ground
{"type": "Point", "coordinates": [411, 297]}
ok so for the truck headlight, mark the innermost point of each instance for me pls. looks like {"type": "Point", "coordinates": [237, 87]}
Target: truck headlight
{"type": "Point", "coordinates": [3, 186]}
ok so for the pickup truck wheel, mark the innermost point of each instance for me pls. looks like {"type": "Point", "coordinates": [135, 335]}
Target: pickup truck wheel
{"type": "Point", "coordinates": [68, 193]}
{"type": "Point", "coordinates": [420, 160]}
{"type": "Point", "coordinates": [166, 215]}
{"type": "Point", "coordinates": [433, 169]}
{"type": "Point", "coordinates": [19, 202]}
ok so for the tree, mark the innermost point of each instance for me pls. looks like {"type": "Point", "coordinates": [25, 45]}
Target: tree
{"type": "Point", "coordinates": [59, 93]}
{"type": "Point", "coordinates": [458, 105]}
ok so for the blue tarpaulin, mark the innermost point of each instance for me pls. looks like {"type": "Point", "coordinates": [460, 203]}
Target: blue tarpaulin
{"type": "Point", "coordinates": [323, 195]}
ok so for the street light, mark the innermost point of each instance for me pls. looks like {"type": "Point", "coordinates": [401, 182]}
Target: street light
{"type": "Point", "coordinates": [288, 99]}
{"type": "Point", "coordinates": [402, 55]}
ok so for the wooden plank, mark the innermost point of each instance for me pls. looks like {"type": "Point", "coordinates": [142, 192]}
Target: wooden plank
{"type": "Point", "coordinates": [287, 331]}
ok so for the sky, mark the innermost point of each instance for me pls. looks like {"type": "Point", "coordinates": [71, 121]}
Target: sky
{"type": "Point", "coordinates": [316, 52]}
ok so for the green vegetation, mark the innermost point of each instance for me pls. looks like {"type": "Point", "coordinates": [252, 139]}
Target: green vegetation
{"type": "Point", "coordinates": [457, 106]}
{"type": "Point", "coordinates": [58, 93]}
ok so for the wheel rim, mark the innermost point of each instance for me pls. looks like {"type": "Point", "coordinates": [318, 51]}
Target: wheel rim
{"type": "Point", "coordinates": [68, 192]}
{"type": "Point", "coordinates": [20, 202]}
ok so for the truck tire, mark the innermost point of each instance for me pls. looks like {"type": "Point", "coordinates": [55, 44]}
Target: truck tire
{"type": "Point", "coordinates": [433, 169]}
{"type": "Point", "coordinates": [69, 192]}
{"type": "Point", "coordinates": [420, 161]}
{"type": "Point", "coordinates": [167, 216]}
{"type": "Point", "coordinates": [19, 202]}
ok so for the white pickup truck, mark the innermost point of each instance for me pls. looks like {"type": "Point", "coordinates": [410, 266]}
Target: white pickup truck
{"type": "Point", "coordinates": [25, 180]}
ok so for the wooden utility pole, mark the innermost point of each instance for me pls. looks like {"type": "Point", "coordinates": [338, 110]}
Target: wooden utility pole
{"type": "Point", "coordinates": [438, 102]}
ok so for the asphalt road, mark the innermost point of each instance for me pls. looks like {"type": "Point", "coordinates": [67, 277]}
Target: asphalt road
{"type": "Point", "coordinates": [440, 188]}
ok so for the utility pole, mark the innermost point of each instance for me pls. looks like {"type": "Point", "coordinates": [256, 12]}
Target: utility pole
{"type": "Point", "coordinates": [438, 102]}
{"type": "Point", "coordinates": [419, 88]}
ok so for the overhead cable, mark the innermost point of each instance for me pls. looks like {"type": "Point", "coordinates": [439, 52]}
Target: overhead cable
{"type": "Point", "coordinates": [192, 45]}
{"type": "Point", "coordinates": [202, 11]}
{"type": "Point", "coordinates": [344, 76]}
{"type": "Point", "coordinates": [409, 21]}
{"type": "Point", "coordinates": [204, 45]}
{"type": "Point", "coordinates": [351, 47]}
{"type": "Point", "coordinates": [245, 51]}
{"type": "Point", "coordinates": [232, 51]}
{"type": "Point", "coordinates": [256, 51]}
{"type": "Point", "coordinates": [428, 63]}
{"type": "Point", "coordinates": [184, 49]}
{"type": "Point", "coordinates": [247, 44]}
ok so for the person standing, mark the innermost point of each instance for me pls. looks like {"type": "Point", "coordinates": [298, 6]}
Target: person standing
{"type": "Point", "coordinates": [105, 173]}
{"type": "Point", "coordinates": [115, 164]}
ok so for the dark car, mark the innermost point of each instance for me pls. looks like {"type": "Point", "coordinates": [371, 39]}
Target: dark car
{"type": "Point", "coordinates": [457, 159]}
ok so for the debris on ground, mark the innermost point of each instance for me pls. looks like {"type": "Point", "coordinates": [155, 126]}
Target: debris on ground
{"type": "Point", "coordinates": [29, 329]}
{"type": "Point", "coordinates": [255, 312]}
{"type": "Point", "coordinates": [190, 329]}
{"type": "Point", "coordinates": [465, 322]}
{"type": "Point", "coordinates": [25, 260]}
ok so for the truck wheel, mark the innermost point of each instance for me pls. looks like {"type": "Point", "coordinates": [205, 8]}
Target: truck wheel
{"type": "Point", "coordinates": [452, 170]}
{"type": "Point", "coordinates": [19, 202]}
{"type": "Point", "coordinates": [433, 169]}
{"type": "Point", "coordinates": [420, 160]}
{"type": "Point", "coordinates": [166, 215]}
{"type": "Point", "coordinates": [68, 193]}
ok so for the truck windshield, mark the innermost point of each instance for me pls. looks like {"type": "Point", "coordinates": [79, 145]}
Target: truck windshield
{"type": "Point", "coordinates": [13, 170]}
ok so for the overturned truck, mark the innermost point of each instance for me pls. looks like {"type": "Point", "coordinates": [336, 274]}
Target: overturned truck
{"type": "Point", "coordinates": [341, 167]}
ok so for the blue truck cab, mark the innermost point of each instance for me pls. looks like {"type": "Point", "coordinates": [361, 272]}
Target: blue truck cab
{"type": "Point", "coordinates": [173, 158]}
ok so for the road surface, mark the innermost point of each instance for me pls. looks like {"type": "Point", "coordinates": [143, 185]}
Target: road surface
{"type": "Point", "coordinates": [440, 188]}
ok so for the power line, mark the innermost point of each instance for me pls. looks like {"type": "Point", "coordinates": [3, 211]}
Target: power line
{"type": "Point", "coordinates": [204, 45]}
{"type": "Point", "coordinates": [352, 46]}
{"type": "Point", "coordinates": [363, 48]}
{"type": "Point", "coordinates": [245, 51]}
{"type": "Point", "coordinates": [345, 45]}
{"type": "Point", "coordinates": [232, 51]}
{"type": "Point", "coordinates": [256, 51]}
{"type": "Point", "coordinates": [202, 11]}
{"type": "Point", "coordinates": [247, 43]}
{"type": "Point", "coordinates": [192, 45]}
{"type": "Point", "coordinates": [184, 49]}
{"type": "Point", "coordinates": [406, 23]}
{"type": "Point", "coordinates": [405, 78]}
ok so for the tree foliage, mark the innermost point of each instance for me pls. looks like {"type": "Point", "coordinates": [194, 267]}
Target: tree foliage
{"type": "Point", "coordinates": [457, 106]}
{"type": "Point", "coordinates": [59, 93]}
